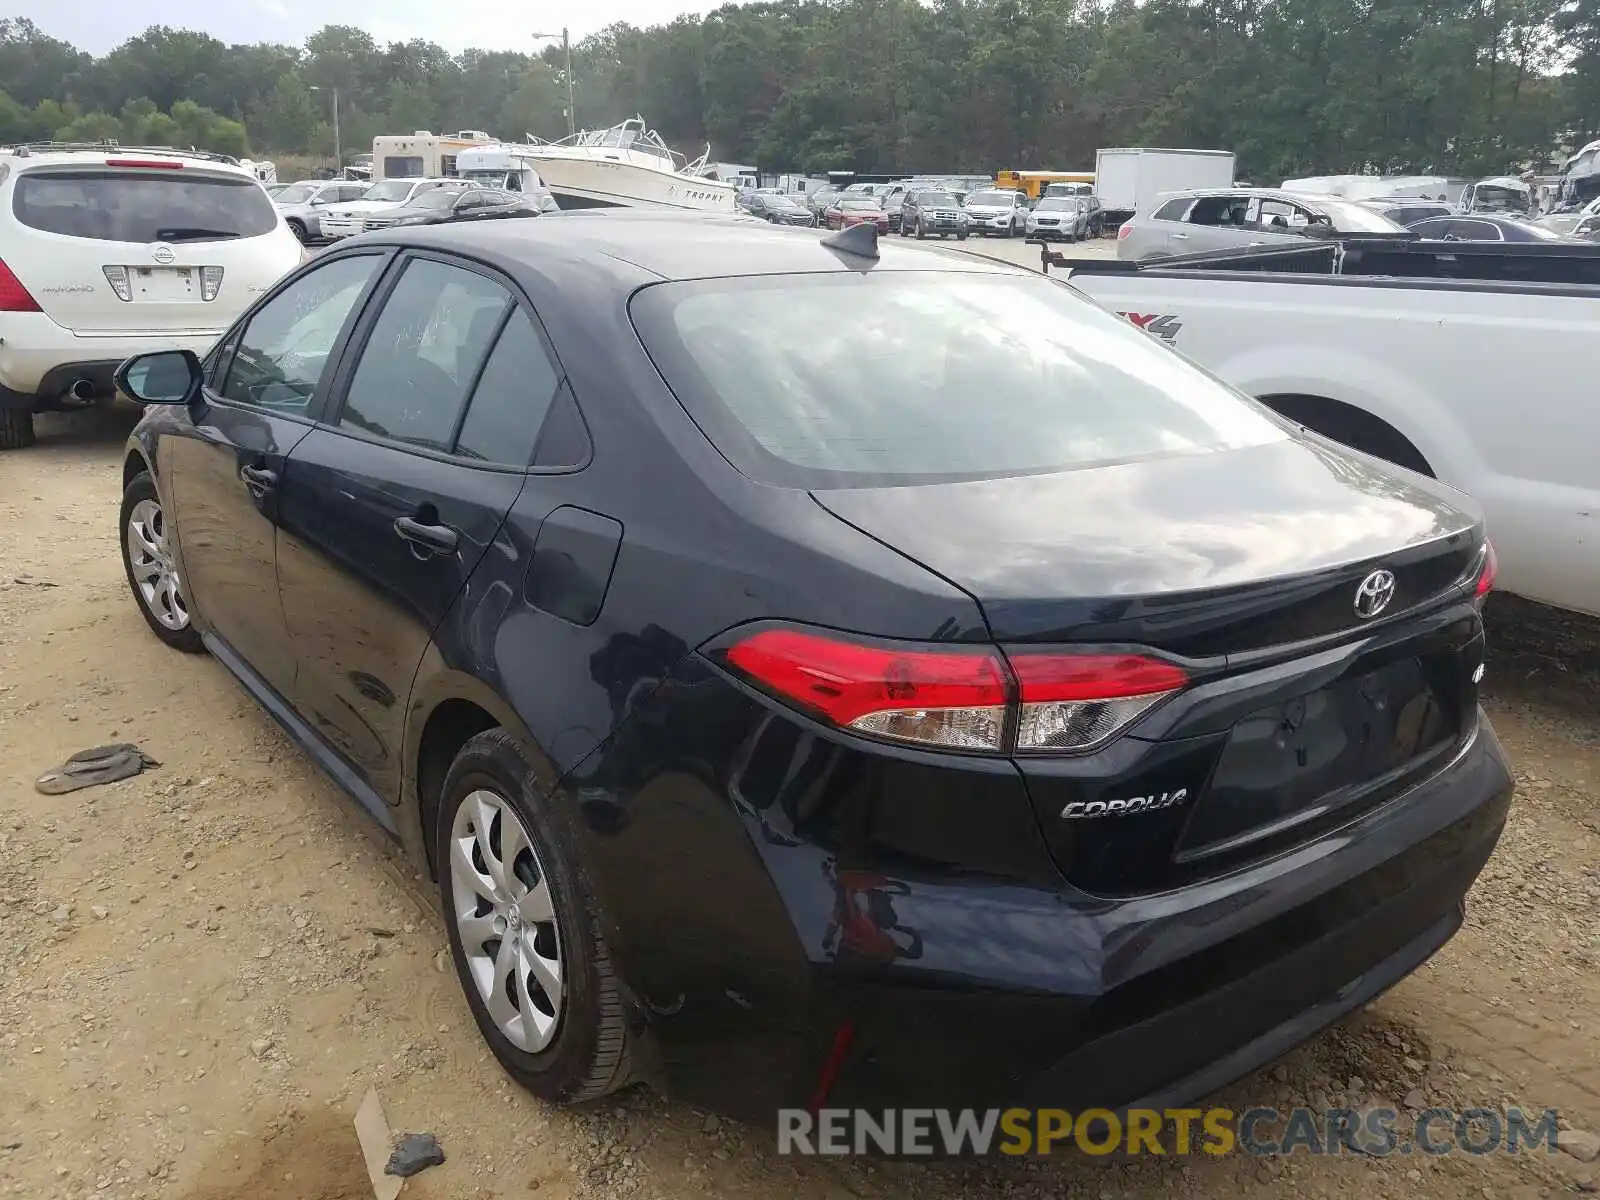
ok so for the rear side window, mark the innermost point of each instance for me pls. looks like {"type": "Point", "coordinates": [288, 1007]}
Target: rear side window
{"type": "Point", "coordinates": [839, 380]}
{"type": "Point", "coordinates": [1173, 210]}
{"type": "Point", "coordinates": [113, 205]}
{"type": "Point", "coordinates": [512, 397]}
{"type": "Point", "coordinates": [423, 354]}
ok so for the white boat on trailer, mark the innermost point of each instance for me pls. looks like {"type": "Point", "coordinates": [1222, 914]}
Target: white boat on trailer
{"type": "Point", "coordinates": [628, 166]}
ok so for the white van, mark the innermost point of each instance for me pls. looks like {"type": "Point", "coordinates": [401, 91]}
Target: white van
{"type": "Point", "coordinates": [107, 252]}
{"type": "Point", "coordinates": [510, 167]}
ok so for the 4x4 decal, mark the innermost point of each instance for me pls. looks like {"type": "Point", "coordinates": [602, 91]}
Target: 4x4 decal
{"type": "Point", "coordinates": [1161, 325]}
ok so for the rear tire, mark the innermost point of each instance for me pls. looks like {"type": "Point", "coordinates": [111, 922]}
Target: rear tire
{"type": "Point", "coordinates": [587, 1052]}
{"type": "Point", "coordinates": [16, 429]}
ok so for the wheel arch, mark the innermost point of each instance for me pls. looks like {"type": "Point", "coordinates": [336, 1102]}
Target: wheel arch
{"type": "Point", "coordinates": [1350, 425]}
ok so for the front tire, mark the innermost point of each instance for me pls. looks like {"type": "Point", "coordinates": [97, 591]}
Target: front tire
{"type": "Point", "coordinates": [922, 230]}
{"type": "Point", "coordinates": [151, 566]}
{"type": "Point", "coordinates": [524, 931]}
{"type": "Point", "coordinates": [16, 429]}
{"type": "Point", "coordinates": [298, 228]}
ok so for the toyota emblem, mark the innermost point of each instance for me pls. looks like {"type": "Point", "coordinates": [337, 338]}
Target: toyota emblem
{"type": "Point", "coordinates": [1374, 594]}
{"type": "Point", "coordinates": [162, 254]}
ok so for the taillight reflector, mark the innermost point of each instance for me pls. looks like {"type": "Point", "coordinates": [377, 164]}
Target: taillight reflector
{"type": "Point", "coordinates": [957, 698]}
{"type": "Point", "coordinates": [1487, 570]}
{"type": "Point", "coordinates": [1124, 230]}
{"type": "Point", "coordinates": [154, 164]}
{"type": "Point", "coordinates": [13, 296]}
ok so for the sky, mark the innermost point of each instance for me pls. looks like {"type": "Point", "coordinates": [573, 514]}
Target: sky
{"type": "Point", "coordinates": [101, 25]}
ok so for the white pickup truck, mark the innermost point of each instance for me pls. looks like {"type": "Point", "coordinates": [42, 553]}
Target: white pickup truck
{"type": "Point", "coordinates": [1489, 385]}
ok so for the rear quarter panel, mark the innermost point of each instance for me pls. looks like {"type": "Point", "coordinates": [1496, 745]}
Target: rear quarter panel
{"type": "Point", "coordinates": [1488, 383]}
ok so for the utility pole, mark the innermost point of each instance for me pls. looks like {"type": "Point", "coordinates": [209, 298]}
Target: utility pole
{"type": "Point", "coordinates": [566, 51]}
{"type": "Point", "coordinates": [338, 156]}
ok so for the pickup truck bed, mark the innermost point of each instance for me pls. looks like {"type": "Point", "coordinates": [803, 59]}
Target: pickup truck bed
{"type": "Point", "coordinates": [1489, 384]}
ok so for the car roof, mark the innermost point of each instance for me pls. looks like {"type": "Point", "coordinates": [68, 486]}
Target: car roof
{"type": "Point", "coordinates": [634, 244]}
{"type": "Point", "coordinates": [25, 155]}
{"type": "Point", "coordinates": [1264, 193]}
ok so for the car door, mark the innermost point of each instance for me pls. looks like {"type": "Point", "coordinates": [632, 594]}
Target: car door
{"type": "Point", "coordinates": [1277, 222]}
{"type": "Point", "coordinates": [267, 386]}
{"type": "Point", "coordinates": [390, 504]}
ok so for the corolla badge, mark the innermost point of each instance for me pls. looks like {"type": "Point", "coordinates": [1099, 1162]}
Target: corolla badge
{"type": "Point", "coordinates": [1079, 810]}
{"type": "Point", "coordinates": [1374, 594]}
{"type": "Point", "coordinates": [162, 253]}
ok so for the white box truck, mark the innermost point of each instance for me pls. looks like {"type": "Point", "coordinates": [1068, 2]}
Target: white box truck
{"type": "Point", "coordinates": [1128, 179]}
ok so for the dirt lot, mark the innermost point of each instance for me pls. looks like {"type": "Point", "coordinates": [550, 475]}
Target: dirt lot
{"type": "Point", "coordinates": [203, 969]}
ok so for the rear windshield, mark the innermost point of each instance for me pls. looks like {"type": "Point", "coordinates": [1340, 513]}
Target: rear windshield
{"type": "Point", "coordinates": [124, 206]}
{"type": "Point", "coordinates": [835, 380]}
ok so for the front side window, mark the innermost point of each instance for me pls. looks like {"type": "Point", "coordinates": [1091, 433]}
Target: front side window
{"type": "Point", "coordinates": [964, 375]}
{"type": "Point", "coordinates": [422, 354]}
{"type": "Point", "coordinates": [121, 205]}
{"type": "Point", "coordinates": [284, 348]}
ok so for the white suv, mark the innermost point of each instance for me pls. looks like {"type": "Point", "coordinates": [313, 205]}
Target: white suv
{"type": "Point", "coordinates": [107, 252]}
{"type": "Point", "coordinates": [345, 220]}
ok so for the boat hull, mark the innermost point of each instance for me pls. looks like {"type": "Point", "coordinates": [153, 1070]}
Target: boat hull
{"type": "Point", "coordinates": [589, 183]}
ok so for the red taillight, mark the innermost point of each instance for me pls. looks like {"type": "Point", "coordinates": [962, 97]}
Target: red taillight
{"type": "Point", "coordinates": [1124, 230]}
{"type": "Point", "coordinates": [153, 164]}
{"type": "Point", "coordinates": [1488, 568]}
{"type": "Point", "coordinates": [950, 698]}
{"type": "Point", "coordinates": [957, 698]}
{"type": "Point", "coordinates": [13, 296]}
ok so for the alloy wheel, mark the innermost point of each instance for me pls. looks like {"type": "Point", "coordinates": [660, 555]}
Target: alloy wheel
{"type": "Point", "coordinates": [154, 572]}
{"type": "Point", "coordinates": [506, 920]}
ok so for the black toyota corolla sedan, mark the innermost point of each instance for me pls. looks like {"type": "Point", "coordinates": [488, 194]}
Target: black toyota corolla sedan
{"type": "Point", "coordinates": [812, 667]}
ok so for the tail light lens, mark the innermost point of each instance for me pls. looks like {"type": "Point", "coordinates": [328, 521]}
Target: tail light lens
{"type": "Point", "coordinates": [1124, 229]}
{"type": "Point", "coordinates": [974, 699]}
{"type": "Point", "coordinates": [117, 277]}
{"type": "Point", "coordinates": [949, 698]}
{"type": "Point", "coordinates": [13, 296]}
{"type": "Point", "coordinates": [210, 282]}
{"type": "Point", "coordinates": [1075, 702]}
{"type": "Point", "coordinates": [1488, 568]}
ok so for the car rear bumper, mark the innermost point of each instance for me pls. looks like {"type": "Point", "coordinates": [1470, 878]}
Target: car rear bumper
{"type": "Point", "coordinates": [40, 360]}
{"type": "Point", "coordinates": [973, 988]}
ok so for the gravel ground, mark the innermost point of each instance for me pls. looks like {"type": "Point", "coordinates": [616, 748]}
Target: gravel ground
{"type": "Point", "coordinates": [203, 969]}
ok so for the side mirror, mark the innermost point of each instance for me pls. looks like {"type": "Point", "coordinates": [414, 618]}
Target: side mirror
{"type": "Point", "coordinates": [161, 377]}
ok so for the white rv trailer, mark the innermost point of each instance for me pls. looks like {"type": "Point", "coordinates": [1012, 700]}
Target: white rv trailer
{"type": "Point", "coordinates": [422, 155]}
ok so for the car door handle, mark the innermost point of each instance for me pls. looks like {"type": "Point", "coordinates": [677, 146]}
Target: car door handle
{"type": "Point", "coordinates": [436, 539]}
{"type": "Point", "coordinates": [1182, 237]}
{"type": "Point", "coordinates": [258, 480]}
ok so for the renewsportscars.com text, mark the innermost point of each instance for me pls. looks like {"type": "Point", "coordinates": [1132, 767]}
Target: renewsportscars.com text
{"type": "Point", "coordinates": [1176, 1131]}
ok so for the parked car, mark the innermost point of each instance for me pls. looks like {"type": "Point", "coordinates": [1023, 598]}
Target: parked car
{"type": "Point", "coordinates": [1404, 210]}
{"type": "Point", "coordinates": [345, 220]}
{"type": "Point", "coordinates": [1567, 220]}
{"type": "Point", "coordinates": [1426, 366]}
{"type": "Point", "coordinates": [1482, 227]}
{"type": "Point", "coordinates": [440, 206]}
{"type": "Point", "coordinates": [997, 211]}
{"type": "Point", "coordinates": [781, 210]}
{"type": "Point", "coordinates": [105, 252]}
{"type": "Point", "coordinates": [1587, 229]}
{"type": "Point", "coordinates": [735, 698]}
{"type": "Point", "coordinates": [820, 198]}
{"type": "Point", "coordinates": [1064, 218]}
{"type": "Point", "coordinates": [303, 204]}
{"type": "Point", "coordinates": [847, 210]}
{"type": "Point", "coordinates": [1226, 218]}
{"type": "Point", "coordinates": [932, 214]}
